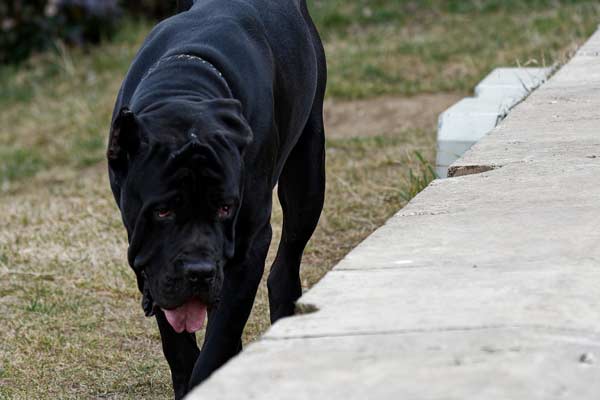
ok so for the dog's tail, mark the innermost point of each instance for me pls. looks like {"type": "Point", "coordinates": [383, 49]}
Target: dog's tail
{"type": "Point", "coordinates": [184, 5]}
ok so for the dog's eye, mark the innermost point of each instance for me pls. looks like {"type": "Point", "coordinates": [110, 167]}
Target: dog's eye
{"type": "Point", "coordinates": [163, 213]}
{"type": "Point", "coordinates": [224, 211]}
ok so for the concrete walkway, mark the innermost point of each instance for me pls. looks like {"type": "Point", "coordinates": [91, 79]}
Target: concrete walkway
{"type": "Point", "coordinates": [486, 286]}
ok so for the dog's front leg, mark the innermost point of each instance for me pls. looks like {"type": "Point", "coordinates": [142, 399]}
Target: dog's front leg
{"type": "Point", "coordinates": [181, 352]}
{"type": "Point", "coordinates": [226, 323]}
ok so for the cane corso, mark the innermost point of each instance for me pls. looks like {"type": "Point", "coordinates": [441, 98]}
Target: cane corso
{"type": "Point", "coordinates": [223, 102]}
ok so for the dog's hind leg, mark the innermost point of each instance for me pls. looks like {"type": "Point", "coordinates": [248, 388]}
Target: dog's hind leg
{"type": "Point", "coordinates": [301, 192]}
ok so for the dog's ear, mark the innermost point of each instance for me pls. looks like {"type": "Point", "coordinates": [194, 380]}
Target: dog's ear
{"type": "Point", "coordinates": [124, 140]}
{"type": "Point", "coordinates": [227, 116]}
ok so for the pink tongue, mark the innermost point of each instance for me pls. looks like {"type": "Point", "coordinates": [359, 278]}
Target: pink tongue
{"type": "Point", "coordinates": [189, 316]}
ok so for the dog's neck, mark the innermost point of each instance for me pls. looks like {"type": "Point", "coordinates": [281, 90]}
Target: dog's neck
{"type": "Point", "coordinates": [178, 59]}
{"type": "Point", "coordinates": [166, 101]}
{"type": "Point", "coordinates": [203, 81]}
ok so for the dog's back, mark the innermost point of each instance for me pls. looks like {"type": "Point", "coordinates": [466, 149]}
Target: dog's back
{"type": "Point", "coordinates": [265, 49]}
{"type": "Point", "coordinates": [232, 34]}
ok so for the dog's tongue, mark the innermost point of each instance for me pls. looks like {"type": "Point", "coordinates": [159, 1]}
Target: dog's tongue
{"type": "Point", "coordinates": [189, 316]}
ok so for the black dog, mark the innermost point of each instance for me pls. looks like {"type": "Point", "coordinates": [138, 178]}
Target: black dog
{"type": "Point", "coordinates": [222, 102]}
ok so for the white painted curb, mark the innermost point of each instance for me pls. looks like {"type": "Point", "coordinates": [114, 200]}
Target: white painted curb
{"type": "Point", "coordinates": [467, 121]}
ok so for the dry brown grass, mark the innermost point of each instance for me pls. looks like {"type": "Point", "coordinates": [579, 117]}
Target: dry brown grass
{"type": "Point", "coordinates": [69, 307]}
{"type": "Point", "coordinates": [72, 323]}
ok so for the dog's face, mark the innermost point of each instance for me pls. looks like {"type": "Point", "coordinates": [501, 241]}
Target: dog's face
{"type": "Point", "coordinates": [179, 186]}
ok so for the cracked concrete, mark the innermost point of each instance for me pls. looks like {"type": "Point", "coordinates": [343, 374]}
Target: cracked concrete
{"type": "Point", "coordinates": [462, 170]}
{"type": "Point", "coordinates": [486, 286]}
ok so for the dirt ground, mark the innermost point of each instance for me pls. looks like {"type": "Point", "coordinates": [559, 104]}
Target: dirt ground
{"type": "Point", "coordinates": [387, 115]}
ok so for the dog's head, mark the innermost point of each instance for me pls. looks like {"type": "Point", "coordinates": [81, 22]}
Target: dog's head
{"type": "Point", "coordinates": [177, 180]}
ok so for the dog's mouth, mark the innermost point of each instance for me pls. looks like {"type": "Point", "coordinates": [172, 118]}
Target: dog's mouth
{"type": "Point", "coordinates": [189, 316]}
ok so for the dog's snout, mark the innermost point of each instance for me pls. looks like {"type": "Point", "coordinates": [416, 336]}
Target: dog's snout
{"type": "Point", "coordinates": [199, 271]}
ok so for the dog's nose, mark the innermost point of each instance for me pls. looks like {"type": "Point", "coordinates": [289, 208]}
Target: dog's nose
{"type": "Point", "coordinates": [199, 271]}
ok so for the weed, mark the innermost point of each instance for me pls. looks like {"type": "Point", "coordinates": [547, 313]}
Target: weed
{"type": "Point", "coordinates": [39, 302]}
{"type": "Point", "coordinates": [417, 181]}
{"type": "Point", "coordinates": [3, 257]}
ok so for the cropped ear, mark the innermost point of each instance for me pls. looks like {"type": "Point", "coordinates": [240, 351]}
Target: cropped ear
{"type": "Point", "coordinates": [124, 141]}
{"type": "Point", "coordinates": [227, 115]}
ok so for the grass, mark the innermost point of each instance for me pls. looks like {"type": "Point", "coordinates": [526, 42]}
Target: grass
{"type": "Point", "coordinates": [72, 326]}
{"type": "Point", "coordinates": [18, 163]}
{"type": "Point", "coordinates": [383, 47]}
{"type": "Point", "coordinates": [419, 180]}
{"type": "Point", "coordinates": [57, 105]}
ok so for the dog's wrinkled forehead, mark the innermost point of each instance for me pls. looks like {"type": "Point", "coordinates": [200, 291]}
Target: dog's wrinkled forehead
{"type": "Point", "coordinates": [150, 147]}
{"type": "Point", "coordinates": [151, 163]}
{"type": "Point", "coordinates": [192, 166]}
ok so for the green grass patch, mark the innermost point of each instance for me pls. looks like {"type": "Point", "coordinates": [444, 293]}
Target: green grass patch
{"type": "Point", "coordinates": [418, 178]}
{"type": "Point", "coordinates": [88, 151]}
{"type": "Point", "coordinates": [61, 66]}
{"type": "Point", "coordinates": [387, 47]}
{"type": "Point", "coordinates": [18, 163]}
